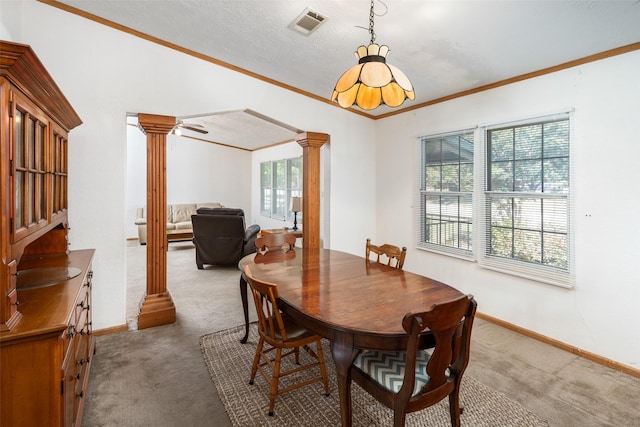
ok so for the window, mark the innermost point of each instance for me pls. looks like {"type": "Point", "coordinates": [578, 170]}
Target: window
{"type": "Point", "coordinates": [519, 222]}
{"type": "Point", "coordinates": [279, 181]}
{"type": "Point", "coordinates": [446, 193]}
{"type": "Point", "coordinates": [527, 199]}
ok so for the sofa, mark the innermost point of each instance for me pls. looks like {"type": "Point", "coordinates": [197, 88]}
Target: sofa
{"type": "Point", "coordinates": [220, 236]}
{"type": "Point", "coordinates": [178, 218]}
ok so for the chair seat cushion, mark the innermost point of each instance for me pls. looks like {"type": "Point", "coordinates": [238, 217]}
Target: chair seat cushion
{"type": "Point", "coordinates": [387, 368]}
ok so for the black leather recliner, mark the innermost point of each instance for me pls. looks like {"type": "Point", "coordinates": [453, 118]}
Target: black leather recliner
{"type": "Point", "coordinates": [220, 236]}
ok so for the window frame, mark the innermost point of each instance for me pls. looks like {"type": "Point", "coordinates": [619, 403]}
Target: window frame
{"type": "Point", "coordinates": [286, 186]}
{"type": "Point", "coordinates": [480, 253]}
{"type": "Point", "coordinates": [424, 193]}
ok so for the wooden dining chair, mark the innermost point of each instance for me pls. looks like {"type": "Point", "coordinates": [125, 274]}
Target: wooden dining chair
{"type": "Point", "coordinates": [280, 334]}
{"type": "Point", "coordinates": [268, 248]}
{"type": "Point", "coordinates": [279, 242]}
{"type": "Point", "coordinates": [412, 380]}
{"type": "Point", "coordinates": [393, 255]}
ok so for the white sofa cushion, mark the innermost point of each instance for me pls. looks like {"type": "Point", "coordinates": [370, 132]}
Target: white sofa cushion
{"type": "Point", "coordinates": [141, 216]}
{"type": "Point", "coordinates": [182, 212]}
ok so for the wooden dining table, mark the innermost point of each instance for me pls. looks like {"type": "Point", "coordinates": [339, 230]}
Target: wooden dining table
{"type": "Point", "coordinates": [354, 303]}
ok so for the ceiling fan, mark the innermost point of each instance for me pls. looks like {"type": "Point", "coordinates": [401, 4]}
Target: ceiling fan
{"type": "Point", "coordinates": [195, 127]}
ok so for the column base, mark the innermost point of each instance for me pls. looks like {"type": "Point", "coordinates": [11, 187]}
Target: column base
{"type": "Point", "coordinates": [156, 310]}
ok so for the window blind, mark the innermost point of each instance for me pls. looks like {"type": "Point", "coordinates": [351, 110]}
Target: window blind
{"type": "Point", "coordinates": [445, 200]}
{"type": "Point", "coordinates": [526, 202]}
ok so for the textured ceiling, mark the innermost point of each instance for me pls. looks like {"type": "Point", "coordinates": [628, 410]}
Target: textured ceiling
{"type": "Point", "coordinates": [245, 129]}
{"type": "Point", "coordinates": [444, 47]}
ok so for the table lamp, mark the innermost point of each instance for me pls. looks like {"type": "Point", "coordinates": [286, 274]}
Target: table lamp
{"type": "Point", "coordinates": [296, 206]}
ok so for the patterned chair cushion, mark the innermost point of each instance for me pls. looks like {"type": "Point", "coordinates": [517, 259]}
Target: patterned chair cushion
{"type": "Point", "coordinates": [387, 368]}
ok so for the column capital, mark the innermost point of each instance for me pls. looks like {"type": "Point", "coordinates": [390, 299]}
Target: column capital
{"type": "Point", "coordinates": [152, 123]}
{"type": "Point", "coordinates": [311, 139]}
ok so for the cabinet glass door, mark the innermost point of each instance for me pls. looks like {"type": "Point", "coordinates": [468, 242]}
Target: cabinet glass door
{"type": "Point", "coordinates": [20, 174]}
{"type": "Point", "coordinates": [59, 185]}
{"type": "Point", "coordinates": [31, 166]}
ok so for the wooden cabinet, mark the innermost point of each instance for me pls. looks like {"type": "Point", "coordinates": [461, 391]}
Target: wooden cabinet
{"type": "Point", "coordinates": [47, 356]}
{"type": "Point", "coordinates": [46, 343]}
{"type": "Point", "coordinates": [35, 119]}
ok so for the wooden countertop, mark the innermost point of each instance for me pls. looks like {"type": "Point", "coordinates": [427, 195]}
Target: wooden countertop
{"type": "Point", "coordinates": [46, 309]}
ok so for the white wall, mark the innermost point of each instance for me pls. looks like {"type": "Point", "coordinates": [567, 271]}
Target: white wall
{"type": "Point", "coordinates": [600, 314]}
{"type": "Point", "coordinates": [197, 172]}
{"type": "Point", "coordinates": [136, 175]}
{"type": "Point", "coordinates": [105, 74]}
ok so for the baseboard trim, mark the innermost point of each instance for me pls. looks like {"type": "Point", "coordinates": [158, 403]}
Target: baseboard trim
{"type": "Point", "coordinates": [563, 346]}
{"type": "Point", "coordinates": [111, 330]}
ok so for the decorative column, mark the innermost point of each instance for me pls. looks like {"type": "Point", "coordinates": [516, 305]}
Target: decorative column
{"type": "Point", "coordinates": [311, 143]}
{"type": "Point", "coordinates": [157, 307]}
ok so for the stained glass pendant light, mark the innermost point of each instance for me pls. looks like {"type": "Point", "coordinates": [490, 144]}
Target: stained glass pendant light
{"type": "Point", "coordinates": [372, 82]}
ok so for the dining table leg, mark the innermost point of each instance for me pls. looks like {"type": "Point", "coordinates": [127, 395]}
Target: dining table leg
{"type": "Point", "coordinates": [245, 308]}
{"type": "Point", "coordinates": [344, 354]}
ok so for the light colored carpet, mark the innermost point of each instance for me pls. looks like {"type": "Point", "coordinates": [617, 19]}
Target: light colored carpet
{"type": "Point", "coordinates": [229, 364]}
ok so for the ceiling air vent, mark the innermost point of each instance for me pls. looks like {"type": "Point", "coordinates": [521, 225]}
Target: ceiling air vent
{"type": "Point", "coordinates": [307, 22]}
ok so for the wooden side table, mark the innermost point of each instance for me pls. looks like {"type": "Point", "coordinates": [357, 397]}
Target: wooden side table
{"type": "Point", "coordinates": [175, 235]}
{"type": "Point", "coordinates": [297, 233]}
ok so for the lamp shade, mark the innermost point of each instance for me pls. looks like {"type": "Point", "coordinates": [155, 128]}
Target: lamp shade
{"type": "Point", "coordinates": [372, 82]}
{"type": "Point", "coordinates": [296, 204]}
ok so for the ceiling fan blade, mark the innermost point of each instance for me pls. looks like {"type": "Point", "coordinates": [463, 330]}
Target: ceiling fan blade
{"type": "Point", "coordinates": [193, 128]}
{"type": "Point", "coordinates": [196, 125]}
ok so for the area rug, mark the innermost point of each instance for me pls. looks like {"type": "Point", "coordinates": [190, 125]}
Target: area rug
{"type": "Point", "coordinates": [229, 364]}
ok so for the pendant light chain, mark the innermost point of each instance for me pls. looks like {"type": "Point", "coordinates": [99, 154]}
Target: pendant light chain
{"type": "Point", "coordinates": [373, 34]}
